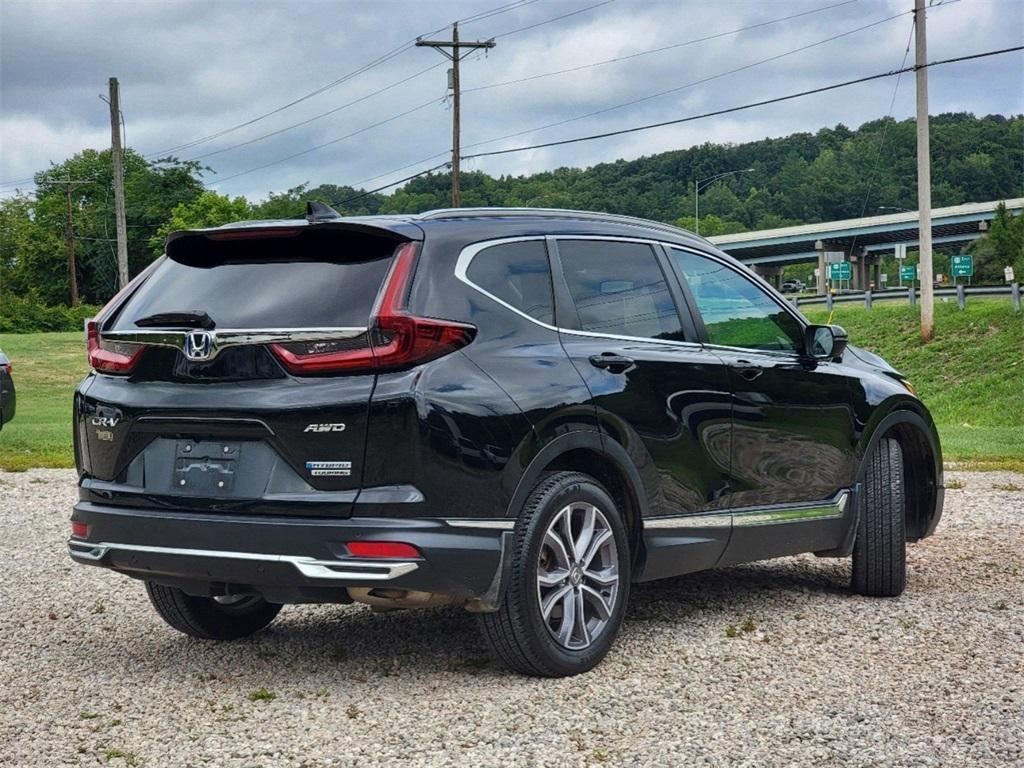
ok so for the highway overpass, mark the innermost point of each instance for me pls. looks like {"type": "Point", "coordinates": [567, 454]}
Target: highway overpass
{"type": "Point", "coordinates": [862, 241]}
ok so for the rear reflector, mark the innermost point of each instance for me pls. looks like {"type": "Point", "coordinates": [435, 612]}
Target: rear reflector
{"type": "Point", "coordinates": [79, 530]}
{"type": "Point", "coordinates": [396, 339]}
{"type": "Point", "coordinates": [110, 357]}
{"type": "Point", "coordinates": [382, 549]}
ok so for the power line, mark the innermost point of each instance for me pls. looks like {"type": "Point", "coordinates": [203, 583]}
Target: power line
{"type": "Point", "coordinates": [729, 110]}
{"type": "Point", "coordinates": [398, 50]}
{"type": "Point", "coordinates": [325, 144]}
{"type": "Point", "coordinates": [392, 184]}
{"type": "Point", "coordinates": [487, 14]}
{"type": "Point", "coordinates": [321, 115]}
{"type": "Point", "coordinates": [556, 18]}
{"type": "Point", "coordinates": [573, 119]}
{"type": "Point", "coordinates": [661, 49]}
{"type": "Point", "coordinates": [395, 84]}
{"type": "Point", "coordinates": [885, 129]}
{"type": "Point", "coordinates": [701, 81]}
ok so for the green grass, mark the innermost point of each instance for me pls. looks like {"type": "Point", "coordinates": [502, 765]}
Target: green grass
{"type": "Point", "coordinates": [971, 377]}
{"type": "Point", "coordinates": [47, 367]}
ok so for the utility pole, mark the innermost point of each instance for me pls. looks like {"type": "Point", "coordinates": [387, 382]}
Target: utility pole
{"type": "Point", "coordinates": [455, 56]}
{"type": "Point", "coordinates": [116, 154]}
{"type": "Point", "coordinates": [69, 230]}
{"type": "Point", "coordinates": [924, 174]}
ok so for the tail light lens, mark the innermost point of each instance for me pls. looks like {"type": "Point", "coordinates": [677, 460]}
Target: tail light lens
{"type": "Point", "coordinates": [396, 338]}
{"type": "Point", "coordinates": [79, 530]}
{"type": "Point", "coordinates": [110, 356]}
{"type": "Point", "coordinates": [383, 549]}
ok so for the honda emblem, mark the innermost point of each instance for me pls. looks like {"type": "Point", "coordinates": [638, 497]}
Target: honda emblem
{"type": "Point", "coordinates": [198, 345]}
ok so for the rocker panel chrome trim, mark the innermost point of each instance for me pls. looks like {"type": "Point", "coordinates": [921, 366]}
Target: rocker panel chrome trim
{"type": "Point", "coordinates": [793, 514]}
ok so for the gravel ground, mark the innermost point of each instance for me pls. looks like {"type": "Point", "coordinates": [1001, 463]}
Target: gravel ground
{"type": "Point", "coordinates": [765, 664]}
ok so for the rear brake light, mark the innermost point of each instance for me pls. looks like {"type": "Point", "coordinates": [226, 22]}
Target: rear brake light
{"type": "Point", "coordinates": [396, 338]}
{"type": "Point", "coordinates": [110, 356]}
{"type": "Point", "coordinates": [79, 530]}
{"type": "Point", "coordinates": [382, 549]}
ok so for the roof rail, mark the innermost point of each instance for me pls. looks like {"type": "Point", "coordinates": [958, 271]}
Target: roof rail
{"type": "Point", "coordinates": [550, 213]}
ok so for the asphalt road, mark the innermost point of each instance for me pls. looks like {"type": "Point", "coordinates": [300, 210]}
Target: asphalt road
{"type": "Point", "coordinates": [765, 664]}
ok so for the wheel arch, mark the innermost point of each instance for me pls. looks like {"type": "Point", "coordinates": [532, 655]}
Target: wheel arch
{"type": "Point", "coordinates": [606, 462]}
{"type": "Point", "coordinates": [922, 465]}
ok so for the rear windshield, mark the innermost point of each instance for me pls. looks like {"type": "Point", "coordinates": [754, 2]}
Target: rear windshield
{"type": "Point", "coordinates": [313, 280]}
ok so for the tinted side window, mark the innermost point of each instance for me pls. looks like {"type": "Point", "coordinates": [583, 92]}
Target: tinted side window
{"type": "Point", "coordinates": [518, 274]}
{"type": "Point", "coordinates": [736, 311]}
{"type": "Point", "coordinates": [619, 288]}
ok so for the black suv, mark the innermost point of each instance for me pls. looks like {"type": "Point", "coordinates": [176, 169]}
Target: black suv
{"type": "Point", "coordinates": [521, 412]}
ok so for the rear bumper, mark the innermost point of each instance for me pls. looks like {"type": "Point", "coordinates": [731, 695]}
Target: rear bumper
{"type": "Point", "coordinates": [288, 558]}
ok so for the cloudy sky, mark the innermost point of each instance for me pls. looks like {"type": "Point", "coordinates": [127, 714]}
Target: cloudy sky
{"type": "Point", "coordinates": [189, 70]}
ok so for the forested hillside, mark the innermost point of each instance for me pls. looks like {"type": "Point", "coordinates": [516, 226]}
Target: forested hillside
{"type": "Point", "coordinates": [832, 174]}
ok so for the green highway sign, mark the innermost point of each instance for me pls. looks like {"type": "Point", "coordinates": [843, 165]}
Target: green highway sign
{"type": "Point", "coordinates": [840, 271]}
{"type": "Point", "coordinates": [962, 265]}
{"type": "Point", "coordinates": [908, 273]}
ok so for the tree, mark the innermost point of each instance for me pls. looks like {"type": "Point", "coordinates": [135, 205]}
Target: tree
{"type": "Point", "coordinates": [1002, 246]}
{"type": "Point", "coordinates": [207, 210]}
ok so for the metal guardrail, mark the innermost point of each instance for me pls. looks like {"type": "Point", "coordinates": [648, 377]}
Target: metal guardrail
{"type": "Point", "coordinates": [960, 292]}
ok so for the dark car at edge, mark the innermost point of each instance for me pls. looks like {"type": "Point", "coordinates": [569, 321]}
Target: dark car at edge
{"type": "Point", "coordinates": [7, 393]}
{"type": "Point", "coordinates": [522, 412]}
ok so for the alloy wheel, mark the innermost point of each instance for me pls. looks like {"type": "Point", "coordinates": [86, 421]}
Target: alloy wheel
{"type": "Point", "coordinates": [577, 575]}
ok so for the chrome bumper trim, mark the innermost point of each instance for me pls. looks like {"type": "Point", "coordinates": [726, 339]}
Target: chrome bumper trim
{"type": "Point", "coordinates": [351, 569]}
{"type": "Point", "coordinates": [488, 523]}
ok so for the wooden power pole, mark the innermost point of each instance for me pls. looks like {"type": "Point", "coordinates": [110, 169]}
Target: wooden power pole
{"type": "Point", "coordinates": [69, 230]}
{"type": "Point", "coordinates": [455, 55]}
{"type": "Point", "coordinates": [924, 175]}
{"type": "Point", "coordinates": [116, 152]}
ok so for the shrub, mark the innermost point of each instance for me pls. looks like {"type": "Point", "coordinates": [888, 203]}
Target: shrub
{"type": "Point", "coordinates": [28, 314]}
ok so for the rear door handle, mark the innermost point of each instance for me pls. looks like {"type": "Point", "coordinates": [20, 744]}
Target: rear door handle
{"type": "Point", "coordinates": [746, 369]}
{"type": "Point", "coordinates": [611, 362]}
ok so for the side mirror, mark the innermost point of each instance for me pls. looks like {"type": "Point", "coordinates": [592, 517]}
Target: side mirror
{"type": "Point", "coordinates": [825, 342]}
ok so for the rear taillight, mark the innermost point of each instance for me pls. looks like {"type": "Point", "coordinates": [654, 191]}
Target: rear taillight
{"type": "Point", "coordinates": [110, 356]}
{"type": "Point", "coordinates": [382, 549]}
{"type": "Point", "coordinates": [6, 367]}
{"type": "Point", "coordinates": [79, 530]}
{"type": "Point", "coordinates": [396, 338]}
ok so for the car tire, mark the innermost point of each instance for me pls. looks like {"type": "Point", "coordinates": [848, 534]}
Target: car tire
{"type": "Point", "coordinates": [880, 549]}
{"type": "Point", "coordinates": [210, 619]}
{"type": "Point", "coordinates": [567, 591]}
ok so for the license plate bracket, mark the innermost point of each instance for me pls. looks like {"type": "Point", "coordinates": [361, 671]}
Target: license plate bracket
{"type": "Point", "coordinates": [205, 467]}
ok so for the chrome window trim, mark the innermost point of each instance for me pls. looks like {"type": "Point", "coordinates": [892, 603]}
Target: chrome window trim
{"type": "Point", "coordinates": [354, 568]}
{"type": "Point", "coordinates": [232, 337]}
{"type": "Point", "coordinates": [468, 253]}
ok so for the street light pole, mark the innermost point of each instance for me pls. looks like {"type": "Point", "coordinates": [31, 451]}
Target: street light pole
{"type": "Point", "coordinates": [699, 184]}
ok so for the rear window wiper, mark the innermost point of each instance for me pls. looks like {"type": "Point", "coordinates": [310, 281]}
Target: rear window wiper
{"type": "Point", "coordinates": [184, 319]}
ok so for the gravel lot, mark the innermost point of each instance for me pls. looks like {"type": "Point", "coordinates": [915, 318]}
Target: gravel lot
{"type": "Point", "coordinates": [765, 664]}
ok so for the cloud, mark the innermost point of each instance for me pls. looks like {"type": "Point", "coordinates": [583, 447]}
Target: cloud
{"type": "Point", "coordinates": [189, 69]}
